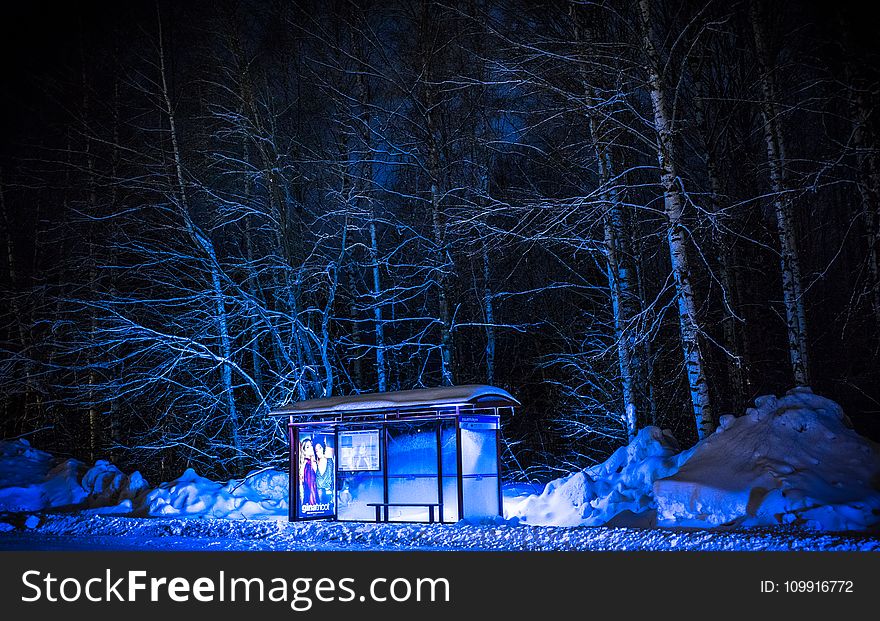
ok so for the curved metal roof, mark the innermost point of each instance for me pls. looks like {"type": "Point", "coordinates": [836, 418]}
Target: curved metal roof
{"type": "Point", "coordinates": [472, 395]}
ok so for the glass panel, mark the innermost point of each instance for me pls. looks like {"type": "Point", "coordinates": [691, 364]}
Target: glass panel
{"type": "Point", "coordinates": [412, 469]}
{"type": "Point", "coordinates": [447, 442]}
{"type": "Point", "coordinates": [412, 449]}
{"type": "Point", "coordinates": [360, 449]}
{"type": "Point", "coordinates": [450, 468]}
{"type": "Point", "coordinates": [479, 455]}
{"type": "Point", "coordinates": [480, 496]}
{"type": "Point", "coordinates": [356, 489]}
{"type": "Point", "coordinates": [479, 465]}
{"type": "Point", "coordinates": [450, 499]}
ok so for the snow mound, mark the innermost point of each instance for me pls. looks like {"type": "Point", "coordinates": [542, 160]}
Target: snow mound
{"type": "Point", "coordinates": [32, 480]}
{"type": "Point", "coordinates": [23, 471]}
{"type": "Point", "coordinates": [262, 494]}
{"type": "Point", "coordinates": [107, 486]}
{"type": "Point", "coordinates": [792, 460]}
{"type": "Point", "coordinates": [621, 486]}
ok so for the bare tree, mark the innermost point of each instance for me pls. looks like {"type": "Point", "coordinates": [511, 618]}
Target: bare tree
{"type": "Point", "coordinates": [774, 138]}
{"type": "Point", "coordinates": [673, 199]}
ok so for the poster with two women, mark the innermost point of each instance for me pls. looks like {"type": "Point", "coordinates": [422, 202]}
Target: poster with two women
{"type": "Point", "coordinates": [317, 475]}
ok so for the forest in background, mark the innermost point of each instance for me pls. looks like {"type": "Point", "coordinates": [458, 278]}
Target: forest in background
{"type": "Point", "coordinates": [627, 213]}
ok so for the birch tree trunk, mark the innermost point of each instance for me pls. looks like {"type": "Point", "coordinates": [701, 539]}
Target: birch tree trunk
{"type": "Point", "coordinates": [615, 237]}
{"type": "Point", "coordinates": [489, 310]}
{"type": "Point", "coordinates": [482, 161]}
{"type": "Point", "coordinates": [357, 370]}
{"type": "Point", "coordinates": [446, 372]}
{"type": "Point", "coordinates": [253, 283]}
{"type": "Point", "coordinates": [619, 286]}
{"type": "Point", "coordinates": [376, 282]}
{"type": "Point", "coordinates": [675, 235]}
{"type": "Point", "coordinates": [437, 225]}
{"type": "Point", "coordinates": [333, 270]}
{"type": "Point", "coordinates": [645, 351]}
{"type": "Point", "coordinates": [488, 297]}
{"type": "Point", "coordinates": [366, 124]}
{"type": "Point", "coordinates": [793, 297]}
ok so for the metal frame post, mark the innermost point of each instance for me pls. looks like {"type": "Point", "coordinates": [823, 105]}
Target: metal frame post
{"type": "Point", "coordinates": [384, 465]}
{"type": "Point", "coordinates": [335, 473]}
{"type": "Point", "coordinates": [458, 462]}
{"type": "Point", "coordinates": [440, 467]}
{"type": "Point", "coordinates": [498, 463]}
{"type": "Point", "coordinates": [293, 483]}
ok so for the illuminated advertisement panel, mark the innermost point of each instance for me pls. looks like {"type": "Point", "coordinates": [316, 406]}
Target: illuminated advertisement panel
{"type": "Point", "coordinates": [317, 475]}
{"type": "Point", "coordinates": [359, 450]}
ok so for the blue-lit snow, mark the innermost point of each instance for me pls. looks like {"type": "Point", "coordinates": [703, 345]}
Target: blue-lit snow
{"type": "Point", "coordinates": [84, 532]}
{"type": "Point", "coordinates": [789, 461]}
{"type": "Point", "coordinates": [789, 474]}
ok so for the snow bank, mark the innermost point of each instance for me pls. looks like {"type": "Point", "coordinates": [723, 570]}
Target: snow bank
{"type": "Point", "coordinates": [32, 480]}
{"type": "Point", "coordinates": [792, 460]}
{"type": "Point", "coordinates": [22, 474]}
{"type": "Point", "coordinates": [619, 488]}
{"type": "Point", "coordinates": [262, 494]}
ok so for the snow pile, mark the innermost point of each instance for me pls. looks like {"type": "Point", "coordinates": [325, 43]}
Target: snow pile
{"type": "Point", "coordinates": [22, 472]}
{"type": "Point", "coordinates": [32, 480]}
{"type": "Point", "coordinates": [620, 487]}
{"type": "Point", "coordinates": [792, 460]}
{"type": "Point", "coordinates": [109, 489]}
{"type": "Point", "coordinates": [260, 495]}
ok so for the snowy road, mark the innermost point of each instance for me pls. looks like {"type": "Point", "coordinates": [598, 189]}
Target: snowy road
{"type": "Point", "coordinates": [77, 532]}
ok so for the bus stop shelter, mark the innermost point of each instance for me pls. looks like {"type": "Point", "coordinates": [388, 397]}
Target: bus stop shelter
{"type": "Point", "coordinates": [408, 456]}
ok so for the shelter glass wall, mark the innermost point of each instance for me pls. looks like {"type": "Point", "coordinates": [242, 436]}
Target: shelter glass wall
{"type": "Point", "coordinates": [412, 469]}
{"type": "Point", "coordinates": [479, 472]}
{"type": "Point", "coordinates": [358, 485]}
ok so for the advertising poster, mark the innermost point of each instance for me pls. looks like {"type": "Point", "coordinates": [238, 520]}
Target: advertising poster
{"type": "Point", "coordinates": [317, 475]}
{"type": "Point", "coordinates": [359, 450]}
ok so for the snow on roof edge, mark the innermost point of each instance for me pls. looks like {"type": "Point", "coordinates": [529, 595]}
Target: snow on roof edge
{"type": "Point", "coordinates": [468, 394]}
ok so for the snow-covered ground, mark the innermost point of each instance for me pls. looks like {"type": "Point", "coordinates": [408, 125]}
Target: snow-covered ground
{"type": "Point", "coordinates": [78, 531]}
{"type": "Point", "coordinates": [788, 474]}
